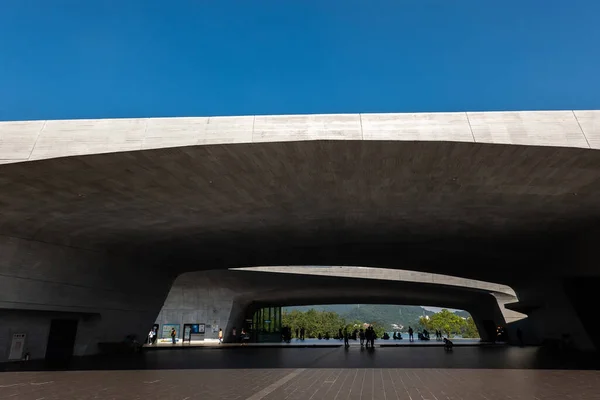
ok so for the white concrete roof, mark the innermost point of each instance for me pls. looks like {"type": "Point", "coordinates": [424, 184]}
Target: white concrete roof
{"type": "Point", "coordinates": [503, 294]}
{"type": "Point", "coordinates": [386, 274]}
{"type": "Point", "coordinates": [35, 140]}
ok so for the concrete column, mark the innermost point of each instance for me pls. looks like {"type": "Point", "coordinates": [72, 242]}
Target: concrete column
{"type": "Point", "coordinates": [552, 314]}
{"type": "Point", "coordinates": [487, 310]}
{"type": "Point", "coordinates": [240, 310]}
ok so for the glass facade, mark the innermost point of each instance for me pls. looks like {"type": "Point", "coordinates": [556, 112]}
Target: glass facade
{"type": "Point", "coordinates": [266, 324]}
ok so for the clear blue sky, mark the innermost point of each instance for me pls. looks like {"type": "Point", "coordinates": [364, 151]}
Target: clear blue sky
{"type": "Point", "coordinates": [145, 58]}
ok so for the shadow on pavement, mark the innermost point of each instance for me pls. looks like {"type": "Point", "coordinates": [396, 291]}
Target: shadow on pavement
{"type": "Point", "coordinates": [499, 357]}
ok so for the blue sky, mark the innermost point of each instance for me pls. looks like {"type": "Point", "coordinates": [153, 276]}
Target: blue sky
{"type": "Point", "coordinates": [144, 58]}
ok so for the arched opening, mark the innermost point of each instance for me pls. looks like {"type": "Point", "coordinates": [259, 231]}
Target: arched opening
{"type": "Point", "coordinates": [250, 302]}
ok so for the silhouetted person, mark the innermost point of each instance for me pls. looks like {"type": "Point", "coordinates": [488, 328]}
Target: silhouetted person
{"type": "Point", "coordinates": [410, 334]}
{"type": "Point", "coordinates": [448, 344]}
{"type": "Point", "coordinates": [372, 336]}
{"type": "Point", "coordinates": [173, 335]}
{"type": "Point", "coordinates": [395, 336]}
{"type": "Point", "coordinates": [346, 343]}
{"type": "Point", "coordinates": [520, 336]}
{"type": "Point", "coordinates": [287, 334]}
{"type": "Point", "coordinates": [302, 333]}
{"type": "Point", "coordinates": [361, 335]}
{"type": "Point", "coordinates": [340, 334]}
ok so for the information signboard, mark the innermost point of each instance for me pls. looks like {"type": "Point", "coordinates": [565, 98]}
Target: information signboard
{"type": "Point", "coordinates": [17, 346]}
{"type": "Point", "coordinates": [166, 331]}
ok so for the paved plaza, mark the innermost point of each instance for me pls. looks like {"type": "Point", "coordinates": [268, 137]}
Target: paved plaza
{"type": "Point", "coordinates": [313, 373]}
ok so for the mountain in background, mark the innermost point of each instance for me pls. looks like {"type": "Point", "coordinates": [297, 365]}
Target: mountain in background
{"type": "Point", "coordinates": [385, 315]}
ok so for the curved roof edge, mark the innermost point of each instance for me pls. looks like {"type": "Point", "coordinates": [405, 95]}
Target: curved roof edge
{"type": "Point", "coordinates": [36, 140]}
{"type": "Point", "coordinates": [387, 275]}
{"type": "Point", "coordinates": [504, 294]}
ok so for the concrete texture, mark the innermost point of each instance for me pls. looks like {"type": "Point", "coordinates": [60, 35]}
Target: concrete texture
{"type": "Point", "coordinates": [503, 294]}
{"type": "Point", "coordinates": [119, 206]}
{"type": "Point", "coordinates": [385, 274]}
{"type": "Point", "coordinates": [109, 296]}
{"type": "Point", "coordinates": [34, 140]}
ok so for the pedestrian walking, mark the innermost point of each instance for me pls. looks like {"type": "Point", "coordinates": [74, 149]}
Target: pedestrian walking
{"type": "Point", "coordinates": [151, 336]}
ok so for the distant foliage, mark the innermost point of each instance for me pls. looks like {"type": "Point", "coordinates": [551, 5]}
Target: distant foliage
{"type": "Point", "coordinates": [380, 314]}
{"type": "Point", "coordinates": [450, 324]}
{"type": "Point", "coordinates": [323, 322]}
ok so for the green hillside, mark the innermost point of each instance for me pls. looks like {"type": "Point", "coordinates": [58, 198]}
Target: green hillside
{"type": "Point", "coordinates": [385, 315]}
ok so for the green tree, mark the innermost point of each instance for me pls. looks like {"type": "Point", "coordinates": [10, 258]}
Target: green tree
{"type": "Point", "coordinates": [314, 322]}
{"type": "Point", "coordinates": [425, 323]}
{"type": "Point", "coordinates": [469, 329]}
{"type": "Point", "coordinates": [447, 322]}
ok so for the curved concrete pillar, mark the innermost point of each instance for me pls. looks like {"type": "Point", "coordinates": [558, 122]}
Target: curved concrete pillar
{"type": "Point", "coordinates": [552, 315]}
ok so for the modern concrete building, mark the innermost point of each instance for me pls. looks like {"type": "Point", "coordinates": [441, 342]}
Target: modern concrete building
{"type": "Point", "coordinates": [99, 217]}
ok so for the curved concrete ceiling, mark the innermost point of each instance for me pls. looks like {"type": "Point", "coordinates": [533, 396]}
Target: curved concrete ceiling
{"type": "Point", "coordinates": [386, 275]}
{"type": "Point", "coordinates": [276, 289]}
{"type": "Point", "coordinates": [504, 294]}
{"type": "Point", "coordinates": [442, 193]}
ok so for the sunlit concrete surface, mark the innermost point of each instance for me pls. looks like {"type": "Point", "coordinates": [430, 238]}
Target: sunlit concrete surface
{"type": "Point", "coordinates": [34, 140]}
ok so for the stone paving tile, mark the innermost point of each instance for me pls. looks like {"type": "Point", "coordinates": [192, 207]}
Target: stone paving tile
{"type": "Point", "coordinates": [166, 384]}
{"type": "Point", "coordinates": [440, 384]}
{"type": "Point", "coordinates": [305, 384]}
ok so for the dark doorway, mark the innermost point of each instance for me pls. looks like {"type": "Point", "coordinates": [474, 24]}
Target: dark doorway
{"type": "Point", "coordinates": [490, 330]}
{"type": "Point", "coordinates": [61, 339]}
{"type": "Point", "coordinates": [582, 294]}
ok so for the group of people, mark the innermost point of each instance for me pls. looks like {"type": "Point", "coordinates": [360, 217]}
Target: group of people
{"type": "Point", "coordinates": [368, 335]}
{"type": "Point", "coordinates": [300, 333]}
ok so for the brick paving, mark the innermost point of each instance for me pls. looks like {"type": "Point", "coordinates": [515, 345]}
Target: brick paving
{"type": "Point", "coordinates": [126, 385]}
{"type": "Point", "coordinates": [465, 374]}
{"type": "Point", "coordinates": [438, 384]}
{"type": "Point", "coordinates": [305, 384]}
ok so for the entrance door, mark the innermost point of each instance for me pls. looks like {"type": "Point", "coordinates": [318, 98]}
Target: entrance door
{"type": "Point", "coordinates": [61, 339]}
{"type": "Point", "coordinates": [490, 330]}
